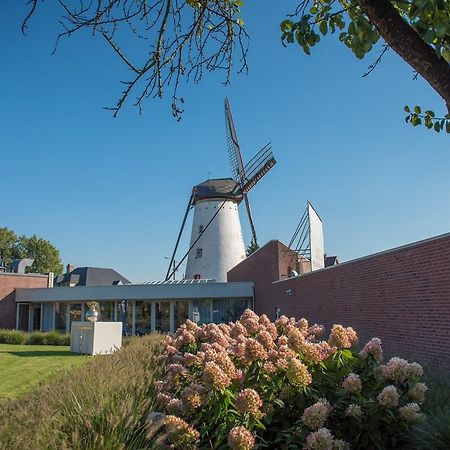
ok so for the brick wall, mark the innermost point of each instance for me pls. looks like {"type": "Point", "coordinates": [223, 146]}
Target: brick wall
{"type": "Point", "coordinates": [267, 265]}
{"type": "Point", "coordinates": [401, 295]}
{"type": "Point", "coordinates": [8, 283]}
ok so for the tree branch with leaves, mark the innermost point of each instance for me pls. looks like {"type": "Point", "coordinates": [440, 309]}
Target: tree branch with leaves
{"type": "Point", "coordinates": [417, 30]}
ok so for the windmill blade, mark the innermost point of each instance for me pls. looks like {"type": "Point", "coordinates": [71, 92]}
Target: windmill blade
{"type": "Point", "coordinates": [250, 220]}
{"type": "Point", "coordinates": [234, 151]}
{"type": "Point", "coordinates": [257, 167]}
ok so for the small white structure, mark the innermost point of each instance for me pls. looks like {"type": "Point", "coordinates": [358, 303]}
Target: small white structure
{"type": "Point", "coordinates": [316, 239]}
{"type": "Point", "coordinates": [94, 338]}
{"type": "Point", "coordinates": [216, 238]}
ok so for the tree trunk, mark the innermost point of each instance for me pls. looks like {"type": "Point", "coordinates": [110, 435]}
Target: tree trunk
{"type": "Point", "coordinates": [404, 40]}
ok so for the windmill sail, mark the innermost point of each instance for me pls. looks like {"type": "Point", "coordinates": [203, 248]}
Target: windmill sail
{"type": "Point", "coordinates": [234, 151]}
{"type": "Point", "coordinates": [257, 167]}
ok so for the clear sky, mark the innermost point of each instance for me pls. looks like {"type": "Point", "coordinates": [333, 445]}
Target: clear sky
{"type": "Point", "coordinates": [112, 192]}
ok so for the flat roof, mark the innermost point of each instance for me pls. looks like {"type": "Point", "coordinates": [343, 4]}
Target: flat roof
{"type": "Point", "coordinates": [136, 292]}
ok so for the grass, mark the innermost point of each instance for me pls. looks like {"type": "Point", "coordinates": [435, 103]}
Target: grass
{"type": "Point", "coordinates": [24, 366]}
{"type": "Point", "coordinates": [101, 405]}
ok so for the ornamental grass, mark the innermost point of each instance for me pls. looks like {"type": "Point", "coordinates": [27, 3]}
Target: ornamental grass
{"type": "Point", "coordinates": [261, 384]}
{"type": "Point", "coordinates": [102, 405]}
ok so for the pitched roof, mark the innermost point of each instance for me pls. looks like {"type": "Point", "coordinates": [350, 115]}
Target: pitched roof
{"type": "Point", "coordinates": [331, 261]}
{"type": "Point", "coordinates": [93, 276]}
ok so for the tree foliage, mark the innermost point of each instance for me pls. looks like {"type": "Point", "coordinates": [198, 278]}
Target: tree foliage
{"type": "Point", "coordinates": [46, 255]}
{"type": "Point", "coordinates": [251, 248]}
{"type": "Point", "coordinates": [418, 30]}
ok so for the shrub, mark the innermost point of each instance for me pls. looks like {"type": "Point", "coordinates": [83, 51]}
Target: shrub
{"type": "Point", "coordinates": [12, 337]}
{"type": "Point", "coordinates": [64, 339]}
{"type": "Point", "coordinates": [102, 405]}
{"type": "Point", "coordinates": [276, 385]}
{"type": "Point", "coordinates": [54, 338]}
{"type": "Point", "coordinates": [37, 338]}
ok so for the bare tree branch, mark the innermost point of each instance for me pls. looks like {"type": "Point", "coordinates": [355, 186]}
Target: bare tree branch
{"type": "Point", "coordinates": [185, 38]}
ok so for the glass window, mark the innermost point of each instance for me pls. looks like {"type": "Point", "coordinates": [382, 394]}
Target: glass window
{"type": "Point", "coordinates": [124, 315]}
{"type": "Point", "coordinates": [181, 313]}
{"type": "Point", "coordinates": [228, 309]}
{"type": "Point", "coordinates": [60, 316]}
{"type": "Point", "coordinates": [199, 253]}
{"type": "Point", "coordinates": [162, 316]}
{"type": "Point", "coordinates": [75, 312]}
{"type": "Point", "coordinates": [36, 317]}
{"type": "Point", "coordinates": [106, 313]}
{"type": "Point", "coordinates": [47, 317]}
{"type": "Point", "coordinates": [143, 318]}
{"type": "Point", "coordinates": [24, 313]}
{"type": "Point", "coordinates": [200, 229]}
{"type": "Point", "coordinates": [201, 311]}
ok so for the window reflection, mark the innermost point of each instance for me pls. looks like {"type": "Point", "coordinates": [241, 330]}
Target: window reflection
{"type": "Point", "coordinates": [162, 316]}
{"type": "Point", "coordinates": [143, 318]}
{"type": "Point", "coordinates": [228, 309]}
{"type": "Point", "coordinates": [181, 313]}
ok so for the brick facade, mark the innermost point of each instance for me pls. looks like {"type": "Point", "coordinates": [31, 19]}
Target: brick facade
{"type": "Point", "coordinates": [8, 283]}
{"type": "Point", "coordinates": [401, 296]}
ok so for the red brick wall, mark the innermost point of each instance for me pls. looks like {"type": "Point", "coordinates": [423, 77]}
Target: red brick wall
{"type": "Point", "coordinates": [8, 283]}
{"type": "Point", "coordinates": [269, 264]}
{"type": "Point", "coordinates": [402, 296]}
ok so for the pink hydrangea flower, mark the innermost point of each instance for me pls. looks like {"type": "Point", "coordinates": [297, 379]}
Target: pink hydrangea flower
{"type": "Point", "coordinates": [342, 337]}
{"type": "Point", "coordinates": [321, 439]}
{"type": "Point", "coordinates": [417, 392]}
{"type": "Point", "coordinates": [352, 383]}
{"type": "Point", "coordinates": [214, 377]}
{"type": "Point", "coordinates": [239, 438]}
{"type": "Point", "coordinates": [315, 416]}
{"type": "Point", "coordinates": [297, 374]}
{"type": "Point", "coordinates": [388, 397]}
{"type": "Point", "coordinates": [373, 348]}
{"type": "Point", "coordinates": [410, 412]}
{"type": "Point", "coordinates": [248, 401]}
{"type": "Point", "coordinates": [181, 433]}
{"type": "Point", "coordinates": [354, 411]}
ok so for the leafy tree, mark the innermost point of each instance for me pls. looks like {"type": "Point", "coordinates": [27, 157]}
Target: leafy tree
{"type": "Point", "coordinates": [251, 248]}
{"type": "Point", "coordinates": [7, 242]}
{"type": "Point", "coordinates": [417, 30]}
{"type": "Point", "coordinates": [46, 255]}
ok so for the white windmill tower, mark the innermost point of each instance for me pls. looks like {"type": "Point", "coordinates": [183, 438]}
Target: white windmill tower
{"type": "Point", "coordinates": [217, 244]}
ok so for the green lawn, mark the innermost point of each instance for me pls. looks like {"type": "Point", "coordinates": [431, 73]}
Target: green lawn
{"type": "Point", "coordinates": [22, 366]}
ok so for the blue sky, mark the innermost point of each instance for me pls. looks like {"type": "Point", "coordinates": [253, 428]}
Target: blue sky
{"type": "Point", "coordinates": [112, 192]}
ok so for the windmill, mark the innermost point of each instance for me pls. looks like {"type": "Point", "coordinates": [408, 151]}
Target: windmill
{"type": "Point", "coordinates": [217, 244]}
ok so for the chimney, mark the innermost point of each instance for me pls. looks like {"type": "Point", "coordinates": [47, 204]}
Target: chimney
{"type": "Point", "coordinates": [70, 268]}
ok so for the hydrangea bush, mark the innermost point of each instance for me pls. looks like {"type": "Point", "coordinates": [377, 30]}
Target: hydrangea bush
{"type": "Point", "coordinates": [259, 384]}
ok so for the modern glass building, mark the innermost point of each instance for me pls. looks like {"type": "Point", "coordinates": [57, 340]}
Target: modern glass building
{"type": "Point", "coordinates": [142, 308]}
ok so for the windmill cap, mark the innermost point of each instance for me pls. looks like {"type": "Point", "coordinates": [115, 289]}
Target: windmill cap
{"type": "Point", "coordinates": [221, 188]}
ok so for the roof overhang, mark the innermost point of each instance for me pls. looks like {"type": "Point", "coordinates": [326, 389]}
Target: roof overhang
{"type": "Point", "coordinates": [136, 292]}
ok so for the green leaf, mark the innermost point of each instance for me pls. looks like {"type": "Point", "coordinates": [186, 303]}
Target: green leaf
{"type": "Point", "coordinates": [417, 109]}
{"type": "Point", "coordinates": [323, 27]}
{"type": "Point", "coordinates": [406, 109]}
{"type": "Point", "coordinates": [446, 54]}
{"type": "Point", "coordinates": [437, 127]}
